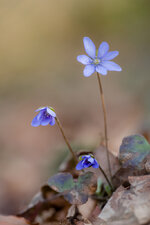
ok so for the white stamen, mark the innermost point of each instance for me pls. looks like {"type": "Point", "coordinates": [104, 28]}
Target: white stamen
{"type": "Point", "coordinates": [96, 61]}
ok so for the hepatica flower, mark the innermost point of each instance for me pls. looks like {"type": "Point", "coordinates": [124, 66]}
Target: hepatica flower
{"type": "Point", "coordinates": [45, 116]}
{"type": "Point", "coordinates": [98, 61]}
{"type": "Point", "coordinates": [87, 161]}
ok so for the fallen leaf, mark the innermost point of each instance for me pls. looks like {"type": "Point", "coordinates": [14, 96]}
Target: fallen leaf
{"type": "Point", "coordinates": [129, 205]}
{"type": "Point", "coordinates": [101, 157]}
{"type": "Point", "coordinates": [12, 220]}
{"type": "Point", "coordinates": [87, 208]}
{"type": "Point", "coordinates": [47, 200]}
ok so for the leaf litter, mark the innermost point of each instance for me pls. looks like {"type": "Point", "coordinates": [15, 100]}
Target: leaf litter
{"type": "Point", "coordinates": [72, 198]}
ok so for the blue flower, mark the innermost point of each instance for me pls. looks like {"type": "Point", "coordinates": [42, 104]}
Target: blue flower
{"type": "Point", "coordinates": [45, 116]}
{"type": "Point", "coordinates": [98, 61]}
{"type": "Point", "coordinates": [87, 161]}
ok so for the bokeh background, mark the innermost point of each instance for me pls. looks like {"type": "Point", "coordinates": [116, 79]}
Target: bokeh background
{"type": "Point", "coordinates": [39, 42]}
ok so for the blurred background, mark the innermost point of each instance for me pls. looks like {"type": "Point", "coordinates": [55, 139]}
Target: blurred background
{"type": "Point", "coordinates": [39, 43]}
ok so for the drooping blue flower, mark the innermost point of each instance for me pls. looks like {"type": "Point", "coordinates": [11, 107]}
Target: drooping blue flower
{"type": "Point", "coordinates": [98, 61]}
{"type": "Point", "coordinates": [45, 116]}
{"type": "Point", "coordinates": [87, 161]}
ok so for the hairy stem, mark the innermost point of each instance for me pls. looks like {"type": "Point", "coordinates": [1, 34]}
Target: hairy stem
{"type": "Point", "coordinates": [105, 123]}
{"type": "Point", "coordinates": [66, 140]}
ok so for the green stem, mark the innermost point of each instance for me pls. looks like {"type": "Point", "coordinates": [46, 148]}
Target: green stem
{"type": "Point", "coordinates": [66, 140]}
{"type": "Point", "coordinates": [100, 168]}
{"type": "Point", "coordinates": [105, 123]}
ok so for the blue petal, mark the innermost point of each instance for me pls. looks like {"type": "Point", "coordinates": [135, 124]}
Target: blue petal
{"type": "Point", "coordinates": [101, 70]}
{"type": "Point", "coordinates": [50, 112]}
{"type": "Point", "coordinates": [84, 59]}
{"type": "Point", "coordinates": [86, 156]}
{"type": "Point", "coordinates": [87, 165]}
{"type": "Point", "coordinates": [41, 114]}
{"type": "Point", "coordinates": [52, 122]}
{"type": "Point", "coordinates": [79, 166]}
{"type": "Point", "coordinates": [95, 164]}
{"type": "Point", "coordinates": [45, 121]}
{"type": "Point", "coordinates": [89, 47]}
{"type": "Point", "coordinates": [88, 70]}
{"type": "Point", "coordinates": [35, 122]}
{"type": "Point", "coordinates": [111, 66]}
{"type": "Point", "coordinates": [84, 160]}
{"type": "Point", "coordinates": [110, 55]}
{"type": "Point", "coordinates": [103, 49]}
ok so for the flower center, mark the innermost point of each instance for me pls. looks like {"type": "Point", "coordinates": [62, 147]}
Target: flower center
{"type": "Point", "coordinates": [96, 61]}
{"type": "Point", "coordinates": [46, 115]}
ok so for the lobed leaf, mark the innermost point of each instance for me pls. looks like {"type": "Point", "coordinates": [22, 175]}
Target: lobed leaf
{"type": "Point", "coordinates": [74, 191]}
{"type": "Point", "coordinates": [61, 182]}
{"type": "Point", "coordinates": [133, 152]}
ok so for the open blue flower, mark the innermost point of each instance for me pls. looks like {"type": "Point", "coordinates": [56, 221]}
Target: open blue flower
{"type": "Point", "coordinates": [45, 116]}
{"type": "Point", "coordinates": [97, 61]}
{"type": "Point", "coordinates": [87, 161]}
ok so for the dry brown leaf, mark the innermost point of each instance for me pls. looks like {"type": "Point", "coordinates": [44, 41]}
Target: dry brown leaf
{"type": "Point", "coordinates": [13, 220]}
{"type": "Point", "coordinates": [87, 208]}
{"type": "Point", "coordinates": [129, 206]}
{"type": "Point", "coordinates": [101, 156]}
{"type": "Point", "coordinates": [46, 205]}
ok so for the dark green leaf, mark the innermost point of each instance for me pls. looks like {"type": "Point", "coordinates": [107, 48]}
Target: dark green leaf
{"type": "Point", "coordinates": [133, 152]}
{"type": "Point", "coordinates": [61, 182]}
{"type": "Point", "coordinates": [83, 180]}
{"type": "Point", "coordinates": [74, 191]}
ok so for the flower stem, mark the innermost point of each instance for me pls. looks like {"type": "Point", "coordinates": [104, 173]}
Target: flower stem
{"type": "Point", "coordinates": [100, 168]}
{"type": "Point", "coordinates": [105, 123]}
{"type": "Point", "coordinates": [66, 140]}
